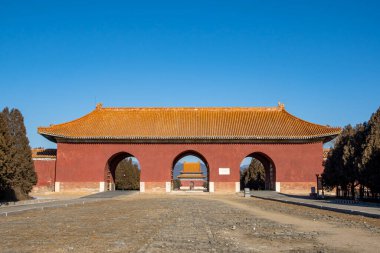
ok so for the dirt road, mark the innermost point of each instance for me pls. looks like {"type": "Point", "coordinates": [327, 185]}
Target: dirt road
{"type": "Point", "coordinates": [167, 223]}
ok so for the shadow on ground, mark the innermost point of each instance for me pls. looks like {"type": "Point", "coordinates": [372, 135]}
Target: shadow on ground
{"type": "Point", "coordinates": [109, 194]}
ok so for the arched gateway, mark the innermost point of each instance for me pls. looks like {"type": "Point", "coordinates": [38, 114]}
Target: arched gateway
{"type": "Point", "coordinates": [159, 136]}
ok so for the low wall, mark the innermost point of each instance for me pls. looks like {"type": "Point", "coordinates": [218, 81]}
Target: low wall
{"type": "Point", "coordinates": [45, 170]}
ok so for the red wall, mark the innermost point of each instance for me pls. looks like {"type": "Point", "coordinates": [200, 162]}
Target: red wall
{"type": "Point", "coordinates": [197, 183]}
{"type": "Point", "coordinates": [87, 162]}
{"type": "Point", "coordinates": [45, 170]}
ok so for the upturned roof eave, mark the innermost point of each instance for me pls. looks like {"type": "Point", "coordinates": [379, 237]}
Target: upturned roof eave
{"type": "Point", "coordinates": [74, 131]}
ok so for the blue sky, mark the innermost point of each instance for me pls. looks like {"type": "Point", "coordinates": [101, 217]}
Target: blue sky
{"type": "Point", "coordinates": [59, 58]}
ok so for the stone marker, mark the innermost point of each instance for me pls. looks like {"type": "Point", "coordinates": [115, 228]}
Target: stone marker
{"type": "Point", "coordinates": [247, 192]}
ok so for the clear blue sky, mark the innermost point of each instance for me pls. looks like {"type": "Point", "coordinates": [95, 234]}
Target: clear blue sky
{"type": "Point", "coordinates": [320, 58]}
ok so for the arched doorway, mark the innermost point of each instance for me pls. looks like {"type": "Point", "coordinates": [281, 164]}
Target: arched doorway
{"type": "Point", "coordinates": [258, 172]}
{"type": "Point", "coordinates": [190, 172]}
{"type": "Point", "coordinates": [122, 172]}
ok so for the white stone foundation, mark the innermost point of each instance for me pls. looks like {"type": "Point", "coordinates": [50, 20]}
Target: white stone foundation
{"type": "Point", "coordinates": [57, 186]}
{"type": "Point", "coordinates": [278, 186]}
{"type": "Point", "coordinates": [211, 187]}
{"type": "Point", "coordinates": [102, 186]}
{"type": "Point", "coordinates": [237, 186]}
{"type": "Point", "coordinates": [142, 186]}
{"type": "Point", "coordinates": [168, 186]}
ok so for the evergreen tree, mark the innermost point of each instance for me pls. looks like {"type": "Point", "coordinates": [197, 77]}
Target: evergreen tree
{"type": "Point", "coordinates": [253, 177]}
{"type": "Point", "coordinates": [371, 154]}
{"type": "Point", "coordinates": [354, 160]}
{"type": "Point", "coordinates": [17, 169]}
{"type": "Point", "coordinates": [176, 184]}
{"type": "Point", "coordinates": [6, 174]}
{"type": "Point", "coordinates": [331, 173]}
{"type": "Point", "coordinates": [3, 152]}
{"type": "Point", "coordinates": [352, 153]}
{"type": "Point", "coordinates": [127, 175]}
{"type": "Point", "coordinates": [7, 157]}
{"type": "Point", "coordinates": [359, 140]}
{"type": "Point", "coordinates": [342, 164]}
{"type": "Point", "coordinates": [25, 176]}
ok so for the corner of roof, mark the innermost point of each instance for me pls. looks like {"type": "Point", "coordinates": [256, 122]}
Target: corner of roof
{"type": "Point", "coordinates": [40, 129]}
{"type": "Point", "coordinates": [335, 130]}
{"type": "Point", "coordinates": [45, 129]}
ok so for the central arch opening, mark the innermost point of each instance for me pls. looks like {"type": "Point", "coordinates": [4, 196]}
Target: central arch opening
{"type": "Point", "coordinates": [122, 172]}
{"type": "Point", "coordinates": [190, 172]}
{"type": "Point", "coordinates": [257, 172]}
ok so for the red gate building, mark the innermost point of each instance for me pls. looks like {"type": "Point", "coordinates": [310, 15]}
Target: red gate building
{"type": "Point", "coordinates": [89, 148]}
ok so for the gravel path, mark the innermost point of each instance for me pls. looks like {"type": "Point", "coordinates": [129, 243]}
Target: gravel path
{"type": "Point", "coordinates": [162, 223]}
{"type": "Point", "coordinates": [343, 206]}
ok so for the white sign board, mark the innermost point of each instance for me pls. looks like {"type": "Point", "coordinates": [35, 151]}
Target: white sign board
{"type": "Point", "coordinates": [224, 171]}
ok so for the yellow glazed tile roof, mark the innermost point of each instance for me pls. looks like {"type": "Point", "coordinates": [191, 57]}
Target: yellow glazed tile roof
{"type": "Point", "coordinates": [189, 167]}
{"type": "Point", "coordinates": [191, 170]}
{"type": "Point", "coordinates": [262, 123]}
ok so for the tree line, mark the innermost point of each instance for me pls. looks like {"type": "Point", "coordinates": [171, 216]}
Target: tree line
{"type": "Point", "coordinates": [127, 175]}
{"type": "Point", "coordinates": [353, 164]}
{"type": "Point", "coordinates": [17, 174]}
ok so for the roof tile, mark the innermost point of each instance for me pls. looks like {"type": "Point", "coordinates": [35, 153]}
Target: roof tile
{"type": "Point", "coordinates": [189, 123]}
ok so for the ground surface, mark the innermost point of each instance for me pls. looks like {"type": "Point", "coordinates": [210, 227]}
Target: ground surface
{"type": "Point", "coordinates": [183, 223]}
{"type": "Point", "coordinates": [329, 203]}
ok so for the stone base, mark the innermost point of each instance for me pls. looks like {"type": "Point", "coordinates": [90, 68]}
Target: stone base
{"type": "Point", "coordinates": [302, 188]}
{"type": "Point", "coordinates": [77, 186]}
{"type": "Point", "coordinates": [225, 187]}
{"type": "Point", "coordinates": [42, 188]}
{"type": "Point", "coordinates": [155, 187]}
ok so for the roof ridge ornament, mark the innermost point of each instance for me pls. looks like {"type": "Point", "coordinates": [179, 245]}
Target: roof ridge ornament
{"type": "Point", "coordinates": [281, 106]}
{"type": "Point", "coordinates": [99, 106]}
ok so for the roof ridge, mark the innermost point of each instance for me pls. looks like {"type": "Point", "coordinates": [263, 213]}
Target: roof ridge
{"type": "Point", "coordinates": [269, 108]}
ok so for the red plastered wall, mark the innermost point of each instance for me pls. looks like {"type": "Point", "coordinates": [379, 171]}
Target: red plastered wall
{"type": "Point", "coordinates": [87, 162]}
{"type": "Point", "coordinates": [45, 170]}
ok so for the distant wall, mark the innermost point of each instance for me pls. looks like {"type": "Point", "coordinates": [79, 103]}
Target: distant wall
{"type": "Point", "coordinates": [45, 169]}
